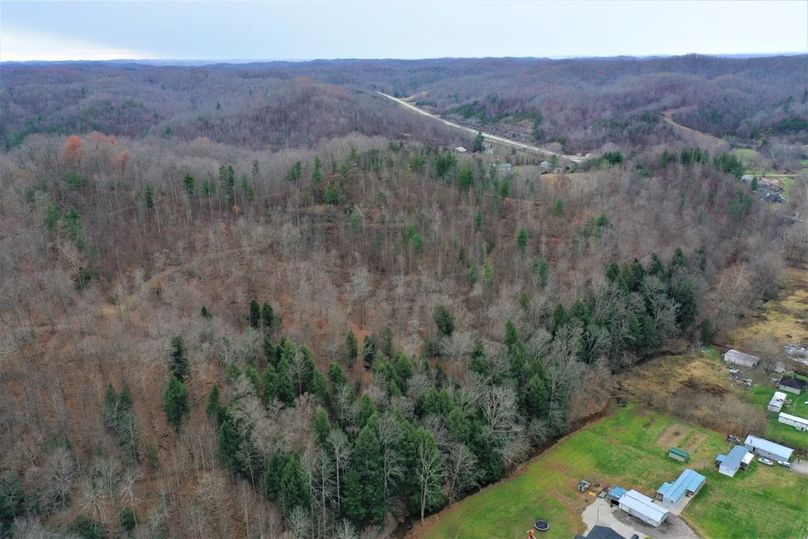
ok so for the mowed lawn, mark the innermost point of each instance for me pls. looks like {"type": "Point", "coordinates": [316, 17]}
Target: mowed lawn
{"type": "Point", "coordinates": [629, 448]}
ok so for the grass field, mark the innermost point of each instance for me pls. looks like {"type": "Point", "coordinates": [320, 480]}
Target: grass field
{"type": "Point", "coordinates": [629, 448]}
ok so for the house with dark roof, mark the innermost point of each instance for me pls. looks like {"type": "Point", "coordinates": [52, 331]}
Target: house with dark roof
{"type": "Point", "coordinates": [792, 384]}
{"type": "Point", "coordinates": [601, 532]}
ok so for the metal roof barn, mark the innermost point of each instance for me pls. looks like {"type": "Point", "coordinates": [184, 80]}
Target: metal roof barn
{"type": "Point", "coordinates": [642, 507]}
{"type": "Point", "coordinates": [765, 448]}
{"type": "Point", "coordinates": [728, 464]}
{"type": "Point", "coordinates": [689, 482]}
{"type": "Point", "coordinates": [739, 358]}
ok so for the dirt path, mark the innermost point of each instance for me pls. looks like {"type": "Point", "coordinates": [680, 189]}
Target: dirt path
{"type": "Point", "coordinates": [699, 138]}
{"type": "Point", "coordinates": [488, 136]}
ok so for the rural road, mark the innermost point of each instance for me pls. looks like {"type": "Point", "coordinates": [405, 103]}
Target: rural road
{"type": "Point", "coordinates": [488, 136]}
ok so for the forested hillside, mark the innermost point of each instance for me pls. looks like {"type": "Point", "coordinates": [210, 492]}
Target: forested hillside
{"type": "Point", "coordinates": [240, 306]}
{"type": "Point", "coordinates": [581, 105]}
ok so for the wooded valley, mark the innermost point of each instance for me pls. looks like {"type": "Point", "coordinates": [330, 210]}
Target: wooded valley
{"type": "Point", "coordinates": [257, 300]}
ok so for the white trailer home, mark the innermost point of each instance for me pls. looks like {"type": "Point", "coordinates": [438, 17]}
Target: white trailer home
{"type": "Point", "coordinates": [642, 507]}
{"type": "Point", "coordinates": [734, 357]}
{"type": "Point", "coordinates": [799, 423]}
{"type": "Point", "coordinates": [777, 402]}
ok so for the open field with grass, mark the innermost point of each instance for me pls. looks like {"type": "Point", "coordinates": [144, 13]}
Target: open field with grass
{"type": "Point", "coordinates": [629, 448]}
{"type": "Point", "coordinates": [697, 387]}
{"type": "Point", "coordinates": [784, 320]}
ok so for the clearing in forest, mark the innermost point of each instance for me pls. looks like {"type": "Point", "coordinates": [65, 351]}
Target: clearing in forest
{"type": "Point", "coordinates": [628, 449]}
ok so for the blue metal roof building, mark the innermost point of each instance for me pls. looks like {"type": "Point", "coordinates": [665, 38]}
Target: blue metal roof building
{"type": "Point", "coordinates": [689, 482]}
{"type": "Point", "coordinates": [615, 493]}
{"type": "Point", "coordinates": [729, 464]}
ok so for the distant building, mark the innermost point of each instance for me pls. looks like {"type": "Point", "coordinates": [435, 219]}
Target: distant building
{"type": "Point", "coordinates": [792, 384]}
{"type": "Point", "coordinates": [688, 483]}
{"type": "Point", "coordinates": [799, 423]}
{"type": "Point", "coordinates": [730, 463]}
{"type": "Point", "coordinates": [678, 454]}
{"type": "Point", "coordinates": [735, 357]}
{"type": "Point", "coordinates": [767, 449]}
{"type": "Point", "coordinates": [644, 508]}
{"type": "Point", "coordinates": [502, 167]}
{"type": "Point", "coordinates": [777, 402]}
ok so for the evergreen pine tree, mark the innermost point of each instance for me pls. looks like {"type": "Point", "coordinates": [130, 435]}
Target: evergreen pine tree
{"type": "Point", "coordinates": [179, 359]}
{"type": "Point", "coordinates": [322, 426]}
{"type": "Point", "coordinates": [175, 402]}
{"type": "Point", "coordinates": [255, 314]}
{"type": "Point", "coordinates": [363, 500]}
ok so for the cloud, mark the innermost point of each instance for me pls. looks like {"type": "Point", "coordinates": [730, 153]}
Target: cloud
{"type": "Point", "coordinates": [25, 46]}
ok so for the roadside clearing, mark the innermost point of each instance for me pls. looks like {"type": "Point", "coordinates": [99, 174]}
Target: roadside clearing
{"type": "Point", "coordinates": [488, 136]}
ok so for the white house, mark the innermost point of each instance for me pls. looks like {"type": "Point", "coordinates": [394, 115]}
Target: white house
{"type": "Point", "coordinates": [777, 402]}
{"type": "Point", "coordinates": [735, 357]}
{"type": "Point", "coordinates": [730, 463]}
{"type": "Point", "coordinates": [642, 507]}
{"type": "Point", "coordinates": [799, 423]}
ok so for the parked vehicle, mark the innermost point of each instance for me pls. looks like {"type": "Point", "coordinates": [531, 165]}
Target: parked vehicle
{"type": "Point", "coordinates": [767, 462]}
{"type": "Point", "coordinates": [784, 463]}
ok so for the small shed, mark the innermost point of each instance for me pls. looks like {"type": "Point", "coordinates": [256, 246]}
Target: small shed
{"type": "Point", "coordinates": [777, 401]}
{"type": "Point", "coordinates": [747, 460]}
{"type": "Point", "coordinates": [644, 508]}
{"type": "Point", "coordinates": [678, 454]}
{"type": "Point", "coordinates": [728, 464]}
{"type": "Point", "coordinates": [615, 493]}
{"type": "Point", "coordinates": [799, 423]}
{"type": "Point", "coordinates": [768, 449]}
{"type": "Point", "coordinates": [792, 384]}
{"type": "Point", "coordinates": [688, 483]}
{"type": "Point", "coordinates": [734, 357]}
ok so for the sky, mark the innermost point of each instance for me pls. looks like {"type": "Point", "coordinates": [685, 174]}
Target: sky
{"type": "Point", "coordinates": [305, 30]}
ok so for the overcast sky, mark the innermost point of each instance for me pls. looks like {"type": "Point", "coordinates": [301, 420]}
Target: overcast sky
{"type": "Point", "coordinates": [395, 29]}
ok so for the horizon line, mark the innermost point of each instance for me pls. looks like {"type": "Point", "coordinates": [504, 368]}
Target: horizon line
{"type": "Point", "coordinates": [244, 61]}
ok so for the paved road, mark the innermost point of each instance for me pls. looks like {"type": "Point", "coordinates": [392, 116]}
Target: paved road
{"type": "Point", "coordinates": [488, 136]}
